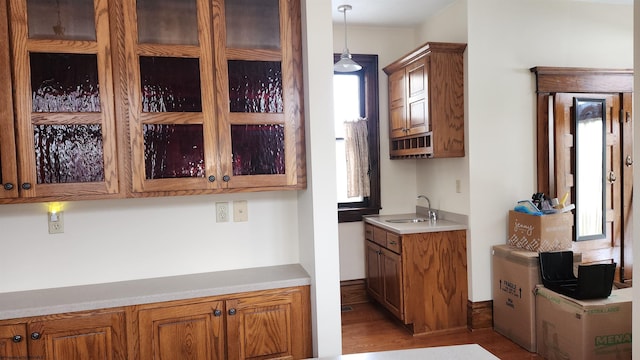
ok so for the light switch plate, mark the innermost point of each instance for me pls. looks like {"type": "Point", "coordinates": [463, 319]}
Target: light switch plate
{"type": "Point", "coordinates": [240, 211]}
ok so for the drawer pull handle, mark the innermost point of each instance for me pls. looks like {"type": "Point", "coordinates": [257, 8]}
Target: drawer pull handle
{"type": "Point", "coordinates": [17, 338]}
{"type": "Point", "coordinates": [217, 312]}
{"type": "Point", "coordinates": [35, 335]}
{"type": "Point", "coordinates": [232, 312]}
{"type": "Point", "coordinates": [393, 243]}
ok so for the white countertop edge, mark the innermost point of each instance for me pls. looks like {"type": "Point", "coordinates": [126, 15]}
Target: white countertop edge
{"type": "Point", "coordinates": [453, 352]}
{"type": "Point", "coordinates": [21, 304]}
{"type": "Point", "coordinates": [443, 224]}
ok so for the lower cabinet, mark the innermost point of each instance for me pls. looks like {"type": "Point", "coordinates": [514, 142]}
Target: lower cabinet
{"type": "Point", "coordinates": [83, 335]}
{"type": "Point", "coordinates": [420, 278]}
{"type": "Point", "coordinates": [384, 275]}
{"type": "Point", "coordinates": [269, 324]}
{"type": "Point", "coordinates": [13, 341]}
{"type": "Point", "coordinates": [265, 325]}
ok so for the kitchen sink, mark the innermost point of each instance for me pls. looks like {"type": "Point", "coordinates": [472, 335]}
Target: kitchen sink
{"type": "Point", "coordinates": [408, 220]}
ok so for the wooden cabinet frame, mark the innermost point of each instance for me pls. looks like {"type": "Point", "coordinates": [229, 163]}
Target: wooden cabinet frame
{"type": "Point", "coordinates": [419, 278]}
{"type": "Point", "coordinates": [556, 164]}
{"type": "Point", "coordinates": [121, 119]}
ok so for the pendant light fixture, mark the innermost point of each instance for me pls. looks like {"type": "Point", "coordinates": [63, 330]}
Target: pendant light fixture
{"type": "Point", "coordinates": [346, 64]}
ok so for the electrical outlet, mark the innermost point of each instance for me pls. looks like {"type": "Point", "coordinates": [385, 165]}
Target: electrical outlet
{"type": "Point", "coordinates": [56, 222]}
{"type": "Point", "coordinates": [240, 211]}
{"type": "Point", "coordinates": [222, 211]}
{"type": "Point", "coordinates": [458, 187]}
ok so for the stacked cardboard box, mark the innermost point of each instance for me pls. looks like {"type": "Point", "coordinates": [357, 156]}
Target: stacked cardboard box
{"type": "Point", "coordinates": [540, 233]}
{"type": "Point", "coordinates": [516, 273]}
{"type": "Point", "coordinates": [583, 329]}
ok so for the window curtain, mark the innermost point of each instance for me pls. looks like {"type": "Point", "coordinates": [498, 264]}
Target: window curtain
{"type": "Point", "coordinates": [356, 142]}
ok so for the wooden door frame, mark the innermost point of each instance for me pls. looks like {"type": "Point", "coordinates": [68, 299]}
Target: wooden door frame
{"type": "Point", "coordinates": [550, 80]}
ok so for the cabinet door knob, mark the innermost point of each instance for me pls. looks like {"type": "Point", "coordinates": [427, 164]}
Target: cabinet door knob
{"type": "Point", "coordinates": [8, 186]}
{"type": "Point", "coordinates": [26, 186]}
{"type": "Point", "coordinates": [226, 178]}
{"type": "Point", "coordinates": [212, 178]}
{"type": "Point", "coordinates": [217, 312]}
{"type": "Point", "coordinates": [35, 335]}
{"type": "Point", "coordinates": [17, 338]}
{"type": "Point", "coordinates": [232, 311]}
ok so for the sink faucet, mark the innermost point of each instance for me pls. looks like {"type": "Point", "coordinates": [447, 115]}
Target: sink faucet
{"type": "Point", "coordinates": [430, 213]}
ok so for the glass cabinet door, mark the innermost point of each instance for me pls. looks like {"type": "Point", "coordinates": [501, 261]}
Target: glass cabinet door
{"type": "Point", "coordinates": [8, 166]}
{"type": "Point", "coordinates": [171, 90]}
{"type": "Point", "coordinates": [261, 117]}
{"type": "Point", "coordinates": [66, 127]}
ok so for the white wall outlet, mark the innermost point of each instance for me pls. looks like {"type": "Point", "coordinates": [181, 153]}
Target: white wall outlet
{"type": "Point", "coordinates": [458, 187]}
{"type": "Point", "coordinates": [56, 222]}
{"type": "Point", "coordinates": [240, 212]}
{"type": "Point", "coordinates": [222, 211]}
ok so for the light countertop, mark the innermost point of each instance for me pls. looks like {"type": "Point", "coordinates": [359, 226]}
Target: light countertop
{"type": "Point", "coordinates": [15, 305]}
{"type": "Point", "coordinates": [446, 222]}
{"type": "Point", "coordinates": [454, 352]}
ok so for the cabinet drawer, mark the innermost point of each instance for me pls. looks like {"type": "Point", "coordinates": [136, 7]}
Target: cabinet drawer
{"type": "Point", "coordinates": [368, 232]}
{"type": "Point", "coordinates": [379, 236]}
{"type": "Point", "coordinates": [394, 242]}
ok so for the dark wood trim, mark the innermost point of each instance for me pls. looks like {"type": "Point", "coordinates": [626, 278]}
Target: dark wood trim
{"type": "Point", "coordinates": [420, 52]}
{"type": "Point", "coordinates": [479, 314]}
{"type": "Point", "coordinates": [353, 292]}
{"type": "Point", "coordinates": [353, 212]}
{"type": "Point", "coordinates": [558, 79]}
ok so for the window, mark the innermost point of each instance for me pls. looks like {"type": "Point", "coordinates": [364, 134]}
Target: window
{"type": "Point", "coordinates": [356, 96]}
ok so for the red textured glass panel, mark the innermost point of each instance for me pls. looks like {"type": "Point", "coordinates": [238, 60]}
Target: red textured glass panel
{"type": "Point", "coordinates": [170, 84]}
{"type": "Point", "coordinates": [64, 83]}
{"type": "Point", "coordinates": [61, 19]}
{"type": "Point", "coordinates": [257, 149]}
{"type": "Point", "coordinates": [264, 19]}
{"type": "Point", "coordinates": [68, 153]}
{"type": "Point", "coordinates": [173, 151]}
{"type": "Point", "coordinates": [255, 86]}
{"type": "Point", "coordinates": [167, 22]}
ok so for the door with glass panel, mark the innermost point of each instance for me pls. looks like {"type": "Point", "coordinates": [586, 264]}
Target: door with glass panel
{"type": "Point", "coordinates": [63, 83]}
{"type": "Point", "coordinates": [171, 95]}
{"type": "Point", "coordinates": [8, 165]}
{"type": "Point", "coordinates": [590, 167]}
{"type": "Point", "coordinates": [260, 128]}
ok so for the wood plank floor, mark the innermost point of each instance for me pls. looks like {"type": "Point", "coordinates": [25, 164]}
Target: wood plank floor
{"type": "Point", "coordinates": [366, 328]}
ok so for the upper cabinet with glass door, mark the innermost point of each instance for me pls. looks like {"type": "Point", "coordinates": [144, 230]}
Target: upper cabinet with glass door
{"type": "Point", "coordinates": [259, 93]}
{"type": "Point", "coordinates": [192, 66]}
{"type": "Point", "coordinates": [8, 166]}
{"type": "Point", "coordinates": [171, 95]}
{"type": "Point", "coordinates": [63, 86]}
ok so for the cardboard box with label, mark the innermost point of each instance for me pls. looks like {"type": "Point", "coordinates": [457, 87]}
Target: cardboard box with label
{"type": "Point", "coordinates": [516, 273]}
{"type": "Point", "coordinates": [583, 329]}
{"type": "Point", "coordinates": [540, 233]}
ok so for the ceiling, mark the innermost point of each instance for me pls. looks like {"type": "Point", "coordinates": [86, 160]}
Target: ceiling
{"type": "Point", "coordinates": [388, 12]}
{"type": "Point", "coordinates": [403, 12]}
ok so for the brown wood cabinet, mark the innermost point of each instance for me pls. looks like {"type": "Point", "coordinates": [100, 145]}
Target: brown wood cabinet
{"type": "Point", "coordinates": [63, 101]}
{"type": "Point", "coordinates": [97, 334]}
{"type": "Point", "coordinates": [13, 341]}
{"type": "Point", "coordinates": [420, 278]}
{"type": "Point", "coordinates": [257, 325]}
{"type": "Point", "coordinates": [426, 102]}
{"type": "Point", "coordinates": [181, 98]}
{"type": "Point", "coordinates": [263, 324]}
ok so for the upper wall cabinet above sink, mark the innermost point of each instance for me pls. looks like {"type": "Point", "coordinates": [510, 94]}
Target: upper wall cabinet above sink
{"type": "Point", "coordinates": [426, 102]}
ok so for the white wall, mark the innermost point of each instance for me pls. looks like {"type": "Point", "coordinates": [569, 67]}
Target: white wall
{"type": "Point", "coordinates": [636, 181]}
{"type": "Point", "coordinates": [501, 94]}
{"type": "Point", "coordinates": [318, 236]}
{"type": "Point", "coordinates": [113, 240]}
